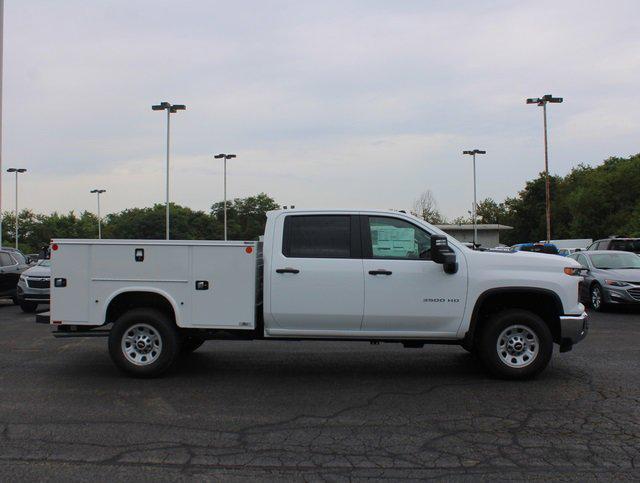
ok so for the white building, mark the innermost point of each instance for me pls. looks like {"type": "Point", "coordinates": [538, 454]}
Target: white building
{"type": "Point", "coordinates": [488, 234]}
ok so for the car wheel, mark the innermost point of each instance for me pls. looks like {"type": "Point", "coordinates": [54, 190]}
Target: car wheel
{"type": "Point", "coordinates": [190, 344]}
{"type": "Point", "coordinates": [29, 307]}
{"type": "Point", "coordinates": [143, 343]}
{"type": "Point", "coordinates": [515, 344]}
{"type": "Point", "coordinates": [596, 298]}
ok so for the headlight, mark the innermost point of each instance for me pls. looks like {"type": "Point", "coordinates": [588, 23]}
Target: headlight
{"type": "Point", "coordinates": [575, 271]}
{"type": "Point", "coordinates": [616, 283]}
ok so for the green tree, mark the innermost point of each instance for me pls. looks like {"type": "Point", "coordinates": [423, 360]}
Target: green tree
{"type": "Point", "coordinates": [246, 217]}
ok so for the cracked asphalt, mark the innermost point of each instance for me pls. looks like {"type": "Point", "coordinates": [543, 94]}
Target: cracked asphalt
{"type": "Point", "coordinates": [239, 411]}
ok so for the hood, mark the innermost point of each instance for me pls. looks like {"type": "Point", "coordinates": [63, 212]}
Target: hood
{"type": "Point", "coordinates": [525, 260]}
{"type": "Point", "coordinates": [38, 271]}
{"type": "Point", "coordinates": [624, 275]}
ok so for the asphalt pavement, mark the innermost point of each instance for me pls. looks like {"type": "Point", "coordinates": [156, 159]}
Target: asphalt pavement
{"type": "Point", "coordinates": [237, 411]}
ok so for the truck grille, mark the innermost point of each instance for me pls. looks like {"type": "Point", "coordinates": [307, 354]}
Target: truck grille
{"type": "Point", "coordinates": [634, 292]}
{"type": "Point", "coordinates": [38, 282]}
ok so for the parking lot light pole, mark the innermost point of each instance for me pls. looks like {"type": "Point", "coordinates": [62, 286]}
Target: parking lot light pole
{"type": "Point", "coordinates": [225, 157]}
{"type": "Point", "coordinates": [17, 171]}
{"type": "Point", "coordinates": [171, 109]}
{"type": "Point", "coordinates": [475, 204]}
{"type": "Point", "coordinates": [98, 193]}
{"type": "Point", "coordinates": [542, 101]}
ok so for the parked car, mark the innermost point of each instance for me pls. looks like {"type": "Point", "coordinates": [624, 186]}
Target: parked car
{"type": "Point", "coordinates": [374, 276]}
{"type": "Point", "coordinates": [12, 264]}
{"type": "Point", "coordinates": [613, 277]}
{"type": "Point", "coordinates": [617, 243]}
{"type": "Point", "coordinates": [33, 287]}
{"type": "Point", "coordinates": [548, 248]}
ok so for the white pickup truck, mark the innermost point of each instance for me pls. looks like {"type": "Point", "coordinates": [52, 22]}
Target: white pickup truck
{"type": "Point", "coordinates": [378, 276]}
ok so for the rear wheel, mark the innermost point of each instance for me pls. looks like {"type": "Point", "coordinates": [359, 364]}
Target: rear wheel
{"type": "Point", "coordinates": [143, 342]}
{"type": "Point", "coordinates": [515, 344]}
{"type": "Point", "coordinates": [29, 307]}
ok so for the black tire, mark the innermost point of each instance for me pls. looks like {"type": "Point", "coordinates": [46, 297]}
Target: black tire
{"type": "Point", "coordinates": [151, 324]}
{"type": "Point", "coordinates": [190, 344]}
{"type": "Point", "coordinates": [29, 307]}
{"type": "Point", "coordinates": [510, 328]}
{"type": "Point", "coordinates": [596, 298]}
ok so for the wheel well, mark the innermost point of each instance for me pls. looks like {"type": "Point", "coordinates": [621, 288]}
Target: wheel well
{"type": "Point", "coordinates": [543, 303]}
{"type": "Point", "coordinates": [133, 300]}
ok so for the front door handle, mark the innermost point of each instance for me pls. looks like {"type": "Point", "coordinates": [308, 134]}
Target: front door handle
{"type": "Point", "coordinates": [380, 272]}
{"type": "Point", "coordinates": [287, 270]}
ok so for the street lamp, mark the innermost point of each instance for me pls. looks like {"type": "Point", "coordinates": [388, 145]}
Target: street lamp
{"type": "Point", "coordinates": [542, 101]}
{"type": "Point", "coordinates": [475, 204]}
{"type": "Point", "coordinates": [225, 157]}
{"type": "Point", "coordinates": [98, 193]}
{"type": "Point", "coordinates": [171, 109]}
{"type": "Point", "coordinates": [17, 171]}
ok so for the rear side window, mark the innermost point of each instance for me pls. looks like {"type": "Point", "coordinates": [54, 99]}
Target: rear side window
{"type": "Point", "coordinates": [317, 236]}
{"type": "Point", "coordinates": [626, 245]}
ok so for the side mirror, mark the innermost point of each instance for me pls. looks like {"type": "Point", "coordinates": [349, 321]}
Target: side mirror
{"type": "Point", "coordinates": [442, 253]}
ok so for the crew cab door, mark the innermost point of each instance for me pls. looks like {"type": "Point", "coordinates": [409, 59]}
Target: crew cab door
{"type": "Point", "coordinates": [405, 291]}
{"type": "Point", "coordinates": [316, 277]}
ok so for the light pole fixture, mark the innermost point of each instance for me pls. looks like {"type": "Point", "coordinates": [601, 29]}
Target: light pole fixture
{"type": "Point", "coordinates": [17, 171]}
{"type": "Point", "coordinates": [171, 109]}
{"type": "Point", "coordinates": [225, 157]}
{"type": "Point", "coordinates": [473, 153]}
{"type": "Point", "coordinates": [98, 192]}
{"type": "Point", "coordinates": [542, 101]}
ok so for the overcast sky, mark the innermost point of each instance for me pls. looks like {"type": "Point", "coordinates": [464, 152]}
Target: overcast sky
{"type": "Point", "coordinates": [327, 104]}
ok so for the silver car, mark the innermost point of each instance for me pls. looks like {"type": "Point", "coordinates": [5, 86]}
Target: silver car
{"type": "Point", "coordinates": [613, 277]}
{"type": "Point", "coordinates": [33, 286]}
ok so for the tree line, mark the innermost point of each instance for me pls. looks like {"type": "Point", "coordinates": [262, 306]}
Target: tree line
{"type": "Point", "coordinates": [589, 202]}
{"type": "Point", "coordinates": [246, 218]}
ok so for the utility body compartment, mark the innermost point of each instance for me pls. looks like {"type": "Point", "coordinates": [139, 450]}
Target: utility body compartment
{"type": "Point", "coordinates": [209, 284]}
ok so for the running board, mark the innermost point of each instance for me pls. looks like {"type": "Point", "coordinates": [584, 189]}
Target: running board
{"type": "Point", "coordinates": [59, 334]}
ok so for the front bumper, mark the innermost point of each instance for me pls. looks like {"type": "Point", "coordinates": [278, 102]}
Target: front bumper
{"type": "Point", "coordinates": [28, 294]}
{"type": "Point", "coordinates": [573, 328]}
{"type": "Point", "coordinates": [619, 295]}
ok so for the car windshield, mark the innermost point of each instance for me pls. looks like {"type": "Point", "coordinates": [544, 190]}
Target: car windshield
{"type": "Point", "coordinates": [614, 261]}
{"type": "Point", "coordinates": [44, 263]}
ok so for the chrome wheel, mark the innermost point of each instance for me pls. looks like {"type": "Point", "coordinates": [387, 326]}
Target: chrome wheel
{"type": "Point", "coordinates": [518, 346]}
{"type": "Point", "coordinates": [596, 297]}
{"type": "Point", "coordinates": [141, 344]}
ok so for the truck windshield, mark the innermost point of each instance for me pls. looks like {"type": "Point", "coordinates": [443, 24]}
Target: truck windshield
{"type": "Point", "coordinates": [612, 261]}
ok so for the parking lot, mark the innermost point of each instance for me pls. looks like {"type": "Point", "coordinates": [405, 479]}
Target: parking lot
{"type": "Point", "coordinates": [291, 410]}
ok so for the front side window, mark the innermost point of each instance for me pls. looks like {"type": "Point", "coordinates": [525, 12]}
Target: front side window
{"type": "Point", "coordinates": [582, 260]}
{"type": "Point", "coordinates": [6, 260]}
{"type": "Point", "coordinates": [399, 239]}
{"type": "Point", "coordinates": [317, 236]}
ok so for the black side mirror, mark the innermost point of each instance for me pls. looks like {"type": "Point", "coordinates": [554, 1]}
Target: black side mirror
{"type": "Point", "coordinates": [442, 253]}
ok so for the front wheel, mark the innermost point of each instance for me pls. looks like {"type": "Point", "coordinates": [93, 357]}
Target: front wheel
{"type": "Point", "coordinates": [143, 342]}
{"type": "Point", "coordinates": [515, 344]}
{"type": "Point", "coordinates": [596, 298]}
{"type": "Point", "coordinates": [29, 307]}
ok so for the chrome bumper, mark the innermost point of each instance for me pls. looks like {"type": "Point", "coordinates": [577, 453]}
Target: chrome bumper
{"type": "Point", "coordinates": [573, 328]}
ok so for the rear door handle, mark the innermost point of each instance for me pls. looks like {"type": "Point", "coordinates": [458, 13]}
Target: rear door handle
{"type": "Point", "coordinates": [380, 272]}
{"type": "Point", "coordinates": [287, 270]}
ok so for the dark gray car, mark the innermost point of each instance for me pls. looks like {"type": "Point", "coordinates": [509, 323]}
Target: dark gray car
{"type": "Point", "coordinates": [613, 277]}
